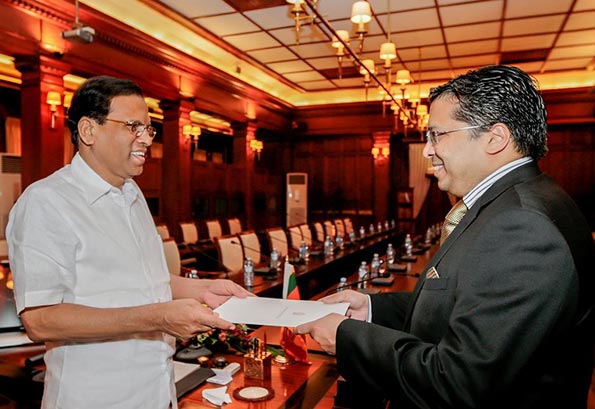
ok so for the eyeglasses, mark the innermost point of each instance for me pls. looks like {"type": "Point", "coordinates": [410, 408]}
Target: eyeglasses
{"type": "Point", "coordinates": [137, 128]}
{"type": "Point", "coordinates": [432, 136]}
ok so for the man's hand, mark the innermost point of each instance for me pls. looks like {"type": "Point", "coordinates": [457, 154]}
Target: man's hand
{"type": "Point", "coordinates": [323, 331]}
{"type": "Point", "coordinates": [216, 292]}
{"type": "Point", "coordinates": [358, 303]}
{"type": "Point", "coordinates": [186, 318]}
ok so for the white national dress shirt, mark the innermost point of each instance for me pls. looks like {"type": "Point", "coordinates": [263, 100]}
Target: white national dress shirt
{"type": "Point", "coordinates": [74, 238]}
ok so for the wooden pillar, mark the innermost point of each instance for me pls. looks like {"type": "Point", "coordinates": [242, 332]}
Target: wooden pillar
{"type": "Point", "coordinates": [42, 139]}
{"type": "Point", "coordinates": [176, 166]}
{"type": "Point", "coordinates": [243, 133]}
{"type": "Point", "coordinates": [381, 142]}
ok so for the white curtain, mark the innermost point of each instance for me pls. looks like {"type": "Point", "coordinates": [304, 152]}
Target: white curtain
{"type": "Point", "coordinates": [13, 135]}
{"type": "Point", "coordinates": [418, 166]}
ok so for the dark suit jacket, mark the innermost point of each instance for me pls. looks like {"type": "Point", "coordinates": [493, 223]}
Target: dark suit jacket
{"type": "Point", "coordinates": [508, 324]}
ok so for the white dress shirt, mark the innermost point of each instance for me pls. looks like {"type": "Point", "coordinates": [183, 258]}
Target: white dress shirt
{"type": "Point", "coordinates": [74, 238]}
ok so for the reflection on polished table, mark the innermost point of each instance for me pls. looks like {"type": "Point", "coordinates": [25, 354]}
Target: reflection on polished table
{"type": "Point", "coordinates": [300, 385]}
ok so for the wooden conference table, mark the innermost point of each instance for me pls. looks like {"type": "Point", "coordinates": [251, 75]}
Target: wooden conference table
{"type": "Point", "coordinates": [300, 385]}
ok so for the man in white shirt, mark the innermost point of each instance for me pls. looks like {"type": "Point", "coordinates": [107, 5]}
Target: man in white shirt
{"type": "Point", "coordinates": [91, 280]}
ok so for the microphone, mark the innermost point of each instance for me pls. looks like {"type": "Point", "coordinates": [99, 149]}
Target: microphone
{"type": "Point", "coordinates": [349, 285]}
{"type": "Point", "coordinates": [249, 248]}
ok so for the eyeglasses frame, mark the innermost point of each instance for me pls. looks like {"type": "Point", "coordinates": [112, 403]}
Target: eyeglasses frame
{"type": "Point", "coordinates": [432, 136]}
{"type": "Point", "coordinates": [151, 131]}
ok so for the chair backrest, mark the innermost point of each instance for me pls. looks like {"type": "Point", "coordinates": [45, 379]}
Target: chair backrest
{"type": "Point", "coordinates": [214, 229]}
{"type": "Point", "coordinates": [3, 249]}
{"type": "Point", "coordinates": [251, 245]}
{"type": "Point", "coordinates": [340, 227]}
{"type": "Point", "coordinates": [235, 226]}
{"type": "Point", "coordinates": [319, 232]}
{"type": "Point", "coordinates": [189, 232]}
{"type": "Point", "coordinates": [231, 256]}
{"type": "Point", "coordinates": [172, 256]}
{"type": "Point", "coordinates": [277, 239]}
{"type": "Point", "coordinates": [306, 234]}
{"type": "Point", "coordinates": [329, 229]}
{"type": "Point", "coordinates": [163, 231]}
{"type": "Point", "coordinates": [348, 225]}
{"type": "Point", "coordinates": [295, 237]}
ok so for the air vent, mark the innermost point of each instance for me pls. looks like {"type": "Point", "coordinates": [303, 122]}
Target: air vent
{"type": "Point", "coordinates": [10, 164]}
{"type": "Point", "coordinates": [516, 57]}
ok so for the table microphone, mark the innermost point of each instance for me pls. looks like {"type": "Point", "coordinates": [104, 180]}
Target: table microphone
{"type": "Point", "coordinates": [249, 248]}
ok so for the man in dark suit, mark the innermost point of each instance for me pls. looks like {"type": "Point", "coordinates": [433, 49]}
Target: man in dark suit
{"type": "Point", "coordinates": [502, 316]}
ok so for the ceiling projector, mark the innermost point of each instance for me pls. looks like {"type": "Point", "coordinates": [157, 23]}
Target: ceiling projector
{"type": "Point", "coordinates": [82, 34]}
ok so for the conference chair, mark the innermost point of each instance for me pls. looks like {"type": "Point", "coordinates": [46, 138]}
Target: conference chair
{"type": "Point", "coordinates": [319, 230]}
{"type": "Point", "coordinates": [329, 229]}
{"type": "Point", "coordinates": [306, 234]}
{"type": "Point", "coordinates": [295, 237]}
{"type": "Point", "coordinates": [250, 245]}
{"type": "Point", "coordinates": [277, 239]}
{"type": "Point", "coordinates": [339, 228]}
{"type": "Point", "coordinates": [189, 233]}
{"type": "Point", "coordinates": [3, 249]}
{"type": "Point", "coordinates": [231, 256]}
{"type": "Point", "coordinates": [172, 256]}
{"type": "Point", "coordinates": [163, 231]}
{"type": "Point", "coordinates": [235, 226]}
{"type": "Point", "coordinates": [214, 229]}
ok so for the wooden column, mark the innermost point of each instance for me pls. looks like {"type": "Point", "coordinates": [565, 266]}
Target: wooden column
{"type": "Point", "coordinates": [243, 133]}
{"type": "Point", "coordinates": [42, 146]}
{"type": "Point", "coordinates": [176, 165]}
{"type": "Point", "coordinates": [381, 141]}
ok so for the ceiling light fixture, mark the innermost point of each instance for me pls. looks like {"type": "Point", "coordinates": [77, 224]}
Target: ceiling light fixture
{"type": "Point", "coordinates": [299, 15]}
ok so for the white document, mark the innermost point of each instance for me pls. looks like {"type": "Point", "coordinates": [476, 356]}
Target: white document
{"type": "Point", "coordinates": [276, 312]}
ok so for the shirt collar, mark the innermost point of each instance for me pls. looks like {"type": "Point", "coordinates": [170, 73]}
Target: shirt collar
{"type": "Point", "coordinates": [93, 186]}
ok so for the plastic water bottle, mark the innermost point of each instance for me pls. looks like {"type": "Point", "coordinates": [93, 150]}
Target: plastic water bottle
{"type": "Point", "coordinates": [375, 266]}
{"type": "Point", "coordinates": [362, 232]}
{"type": "Point", "coordinates": [274, 259]}
{"type": "Point", "coordinates": [393, 224]}
{"type": "Point", "coordinates": [352, 236]}
{"type": "Point", "coordinates": [379, 227]}
{"type": "Point", "coordinates": [328, 246]}
{"type": "Point", "coordinates": [248, 272]}
{"type": "Point", "coordinates": [390, 254]}
{"type": "Point", "coordinates": [362, 272]}
{"type": "Point", "coordinates": [193, 274]}
{"type": "Point", "coordinates": [303, 251]}
{"type": "Point", "coordinates": [339, 241]}
{"type": "Point", "coordinates": [342, 284]}
{"type": "Point", "coordinates": [428, 239]}
{"type": "Point", "coordinates": [386, 225]}
{"type": "Point", "coordinates": [408, 245]}
{"type": "Point", "coordinates": [371, 229]}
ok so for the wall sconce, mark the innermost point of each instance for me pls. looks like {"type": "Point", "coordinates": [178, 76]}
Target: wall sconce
{"type": "Point", "coordinates": [380, 152]}
{"type": "Point", "coordinates": [53, 99]}
{"type": "Point", "coordinates": [256, 147]}
{"type": "Point", "coordinates": [191, 133]}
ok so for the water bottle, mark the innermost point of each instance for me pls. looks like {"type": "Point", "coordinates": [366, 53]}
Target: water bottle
{"type": "Point", "coordinates": [371, 229]}
{"type": "Point", "coordinates": [428, 239]}
{"type": "Point", "coordinates": [362, 232]}
{"type": "Point", "coordinates": [302, 252]}
{"type": "Point", "coordinates": [328, 246]}
{"type": "Point", "coordinates": [274, 259]}
{"type": "Point", "coordinates": [386, 225]}
{"type": "Point", "coordinates": [408, 245]}
{"type": "Point", "coordinates": [342, 284]}
{"type": "Point", "coordinates": [379, 227]}
{"type": "Point", "coordinates": [193, 274]}
{"type": "Point", "coordinates": [352, 235]}
{"type": "Point", "coordinates": [248, 272]}
{"type": "Point", "coordinates": [393, 224]}
{"type": "Point", "coordinates": [390, 254]}
{"type": "Point", "coordinates": [339, 241]}
{"type": "Point", "coordinates": [362, 272]}
{"type": "Point", "coordinates": [375, 266]}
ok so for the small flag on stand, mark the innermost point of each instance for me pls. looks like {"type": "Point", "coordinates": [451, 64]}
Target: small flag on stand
{"type": "Point", "coordinates": [294, 345]}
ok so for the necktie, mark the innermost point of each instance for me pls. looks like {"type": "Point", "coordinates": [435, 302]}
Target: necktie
{"type": "Point", "coordinates": [454, 216]}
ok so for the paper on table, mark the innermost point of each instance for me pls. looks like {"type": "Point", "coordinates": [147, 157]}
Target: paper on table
{"type": "Point", "coordinates": [276, 312]}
